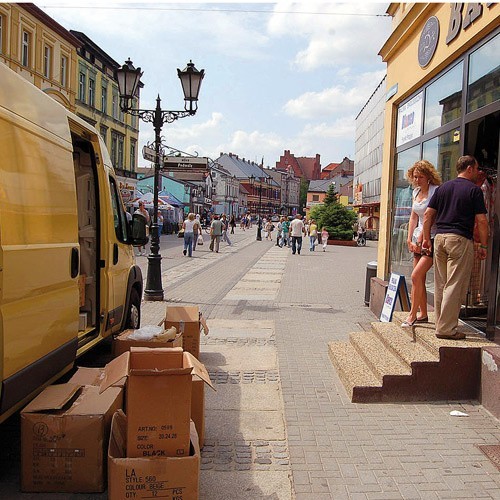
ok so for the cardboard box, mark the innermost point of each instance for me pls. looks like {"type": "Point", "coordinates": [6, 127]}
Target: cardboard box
{"type": "Point", "coordinates": [187, 321]}
{"type": "Point", "coordinates": [64, 438]}
{"type": "Point", "coordinates": [122, 343]}
{"type": "Point", "coordinates": [159, 389]}
{"type": "Point", "coordinates": [93, 376]}
{"type": "Point", "coordinates": [198, 408]}
{"type": "Point", "coordinates": [167, 478]}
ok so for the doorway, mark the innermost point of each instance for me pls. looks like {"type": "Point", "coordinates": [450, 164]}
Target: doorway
{"type": "Point", "coordinates": [483, 296]}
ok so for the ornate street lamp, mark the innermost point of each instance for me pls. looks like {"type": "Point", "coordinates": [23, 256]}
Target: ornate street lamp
{"type": "Point", "coordinates": [128, 81]}
{"type": "Point", "coordinates": [260, 180]}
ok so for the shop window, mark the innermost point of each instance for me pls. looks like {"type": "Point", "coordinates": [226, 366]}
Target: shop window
{"type": "Point", "coordinates": [443, 152]}
{"type": "Point", "coordinates": [483, 86]}
{"type": "Point", "coordinates": [401, 259]}
{"type": "Point", "coordinates": [443, 99]}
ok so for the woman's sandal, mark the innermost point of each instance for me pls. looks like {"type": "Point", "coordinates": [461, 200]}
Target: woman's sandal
{"type": "Point", "coordinates": [408, 324]}
{"type": "Point", "coordinates": [425, 319]}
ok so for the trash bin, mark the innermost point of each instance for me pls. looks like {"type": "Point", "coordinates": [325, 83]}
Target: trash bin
{"type": "Point", "coordinates": [371, 272]}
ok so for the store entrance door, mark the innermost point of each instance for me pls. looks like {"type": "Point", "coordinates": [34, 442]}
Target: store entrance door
{"type": "Point", "coordinates": [483, 297]}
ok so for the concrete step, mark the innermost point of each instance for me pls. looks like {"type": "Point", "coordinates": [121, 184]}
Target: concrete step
{"type": "Point", "coordinates": [400, 343]}
{"type": "Point", "coordinates": [358, 379]}
{"type": "Point", "coordinates": [381, 360]}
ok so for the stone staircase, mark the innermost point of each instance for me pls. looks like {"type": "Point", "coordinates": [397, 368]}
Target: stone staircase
{"type": "Point", "coordinates": [390, 364]}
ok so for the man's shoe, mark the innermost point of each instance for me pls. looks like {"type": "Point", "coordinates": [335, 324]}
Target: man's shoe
{"type": "Point", "coordinates": [184, 252]}
{"type": "Point", "coordinates": [455, 336]}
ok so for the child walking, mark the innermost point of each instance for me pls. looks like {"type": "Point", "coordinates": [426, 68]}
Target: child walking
{"type": "Point", "coordinates": [324, 238]}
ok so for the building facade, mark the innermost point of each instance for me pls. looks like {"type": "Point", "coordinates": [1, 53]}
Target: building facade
{"type": "Point", "coordinates": [40, 50]}
{"type": "Point", "coordinates": [290, 190]}
{"type": "Point", "coordinates": [368, 159]}
{"type": "Point", "coordinates": [443, 89]}
{"type": "Point", "coordinates": [308, 168]}
{"type": "Point", "coordinates": [98, 102]}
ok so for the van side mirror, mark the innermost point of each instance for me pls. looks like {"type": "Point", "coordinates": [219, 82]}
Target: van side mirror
{"type": "Point", "coordinates": [138, 230]}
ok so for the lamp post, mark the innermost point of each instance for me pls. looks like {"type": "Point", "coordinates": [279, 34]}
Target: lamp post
{"type": "Point", "coordinates": [128, 80]}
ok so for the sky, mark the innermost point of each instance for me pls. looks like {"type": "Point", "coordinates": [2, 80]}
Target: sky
{"type": "Point", "coordinates": [278, 76]}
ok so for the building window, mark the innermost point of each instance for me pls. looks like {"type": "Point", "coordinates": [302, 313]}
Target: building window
{"type": "Point", "coordinates": [91, 93]}
{"type": "Point", "coordinates": [120, 152]}
{"type": "Point", "coordinates": [315, 197]}
{"type": "Point", "coordinates": [443, 99]}
{"type": "Point", "coordinates": [25, 56]}
{"type": "Point", "coordinates": [47, 61]}
{"type": "Point", "coordinates": [104, 100]}
{"type": "Point", "coordinates": [133, 147]}
{"type": "Point", "coordinates": [81, 87]}
{"type": "Point", "coordinates": [484, 73]}
{"type": "Point", "coordinates": [64, 70]}
{"type": "Point", "coordinates": [114, 104]}
{"type": "Point", "coordinates": [114, 148]}
{"type": "Point", "coordinates": [104, 133]}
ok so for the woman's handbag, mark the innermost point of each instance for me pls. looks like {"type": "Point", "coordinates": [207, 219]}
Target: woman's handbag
{"type": "Point", "coordinates": [180, 234]}
{"type": "Point", "coordinates": [199, 240]}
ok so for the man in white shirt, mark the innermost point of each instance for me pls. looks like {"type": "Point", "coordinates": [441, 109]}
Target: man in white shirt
{"type": "Point", "coordinates": [297, 230]}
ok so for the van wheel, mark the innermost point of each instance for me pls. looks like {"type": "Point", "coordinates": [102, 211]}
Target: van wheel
{"type": "Point", "coordinates": [134, 311]}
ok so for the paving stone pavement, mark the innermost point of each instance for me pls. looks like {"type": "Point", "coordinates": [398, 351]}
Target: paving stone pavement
{"type": "Point", "coordinates": [335, 449]}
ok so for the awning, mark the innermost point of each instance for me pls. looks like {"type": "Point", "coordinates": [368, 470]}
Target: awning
{"type": "Point", "coordinates": [362, 221]}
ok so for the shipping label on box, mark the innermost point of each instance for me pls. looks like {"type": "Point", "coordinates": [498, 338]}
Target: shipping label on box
{"type": "Point", "coordinates": [169, 478]}
{"type": "Point", "coordinates": [159, 390]}
{"type": "Point", "coordinates": [64, 434]}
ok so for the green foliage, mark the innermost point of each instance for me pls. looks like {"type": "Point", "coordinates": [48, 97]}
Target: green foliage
{"type": "Point", "coordinates": [337, 219]}
{"type": "Point", "coordinates": [304, 187]}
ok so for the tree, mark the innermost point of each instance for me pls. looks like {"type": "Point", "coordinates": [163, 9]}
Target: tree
{"type": "Point", "coordinates": [337, 219]}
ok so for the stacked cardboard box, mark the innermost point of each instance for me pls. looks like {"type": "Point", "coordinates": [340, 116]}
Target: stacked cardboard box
{"type": "Point", "coordinates": [187, 320]}
{"type": "Point", "coordinates": [122, 343]}
{"type": "Point", "coordinates": [156, 437]}
{"type": "Point", "coordinates": [64, 438]}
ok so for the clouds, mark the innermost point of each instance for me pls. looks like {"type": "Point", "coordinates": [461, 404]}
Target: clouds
{"type": "Point", "coordinates": [291, 77]}
{"type": "Point", "coordinates": [335, 33]}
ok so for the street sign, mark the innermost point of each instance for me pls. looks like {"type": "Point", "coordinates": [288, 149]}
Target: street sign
{"type": "Point", "coordinates": [148, 153]}
{"type": "Point", "coordinates": [184, 162]}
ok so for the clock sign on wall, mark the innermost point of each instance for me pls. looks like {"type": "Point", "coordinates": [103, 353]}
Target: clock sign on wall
{"type": "Point", "coordinates": [428, 41]}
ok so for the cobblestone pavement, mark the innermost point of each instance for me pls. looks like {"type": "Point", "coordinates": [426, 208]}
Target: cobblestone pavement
{"type": "Point", "coordinates": [280, 425]}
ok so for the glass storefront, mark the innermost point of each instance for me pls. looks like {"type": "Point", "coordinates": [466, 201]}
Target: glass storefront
{"type": "Point", "coordinates": [431, 125]}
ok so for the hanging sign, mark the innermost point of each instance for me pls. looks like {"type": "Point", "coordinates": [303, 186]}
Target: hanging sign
{"type": "Point", "coordinates": [397, 288]}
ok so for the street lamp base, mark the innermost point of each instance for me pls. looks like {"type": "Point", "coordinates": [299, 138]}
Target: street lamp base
{"type": "Point", "coordinates": [154, 289]}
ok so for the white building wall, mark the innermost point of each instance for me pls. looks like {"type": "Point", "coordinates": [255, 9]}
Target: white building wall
{"type": "Point", "coordinates": [369, 145]}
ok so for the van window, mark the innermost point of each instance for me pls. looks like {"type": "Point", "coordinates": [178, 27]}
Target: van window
{"type": "Point", "coordinates": [119, 217]}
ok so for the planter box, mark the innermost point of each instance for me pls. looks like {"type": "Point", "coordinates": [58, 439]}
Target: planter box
{"type": "Point", "coordinates": [344, 243]}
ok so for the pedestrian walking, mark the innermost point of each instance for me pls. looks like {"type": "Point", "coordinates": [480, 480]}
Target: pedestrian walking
{"type": "Point", "coordinates": [142, 211]}
{"type": "Point", "coordinates": [215, 234]}
{"type": "Point", "coordinates": [279, 232]}
{"type": "Point", "coordinates": [269, 227]}
{"type": "Point", "coordinates": [225, 227]}
{"type": "Point", "coordinates": [285, 228]}
{"type": "Point", "coordinates": [297, 230]}
{"type": "Point", "coordinates": [188, 226]}
{"type": "Point", "coordinates": [232, 223]}
{"type": "Point", "coordinates": [455, 207]}
{"type": "Point", "coordinates": [160, 222]}
{"type": "Point", "coordinates": [324, 238]}
{"type": "Point", "coordinates": [425, 180]}
{"type": "Point", "coordinates": [313, 234]}
{"type": "Point", "coordinates": [197, 232]}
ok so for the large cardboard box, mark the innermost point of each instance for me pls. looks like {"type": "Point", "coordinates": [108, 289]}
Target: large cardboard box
{"type": "Point", "coordinates": [159, 389]}
{"type": "Point", "coordinates": [187, 321]}
{"type": "Point", "coordinates": [198, 408]}
{"type": "Point", "coordinates": [64, 438]}
{"type": "Point", "coordinates": [122, 343]}
{"type": "Point", "coordinates": [168, 478]}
